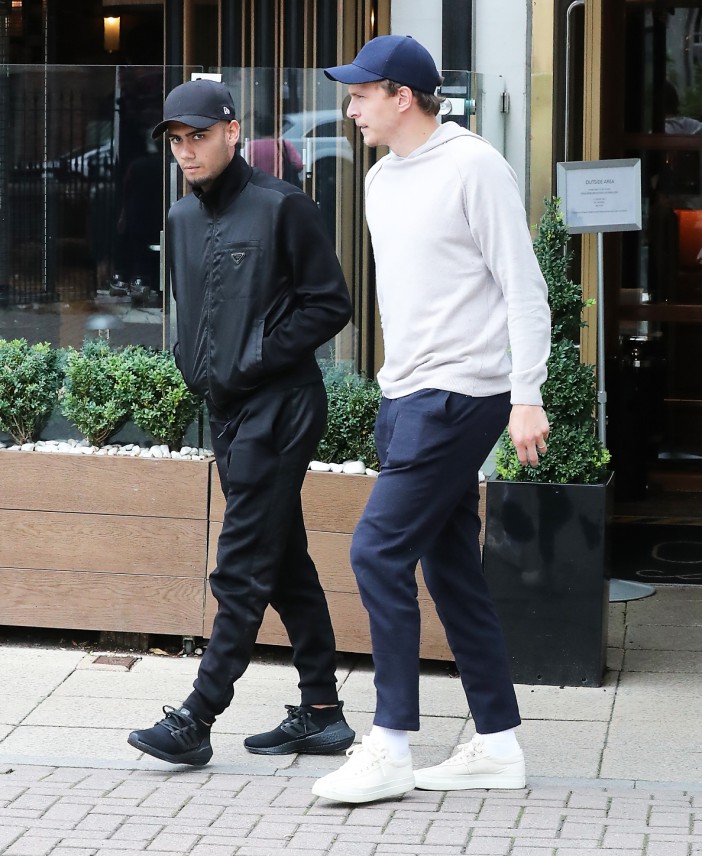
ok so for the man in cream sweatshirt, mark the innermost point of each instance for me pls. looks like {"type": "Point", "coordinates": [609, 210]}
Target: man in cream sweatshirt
{"type": "Point", "coordinates": [466, 328]}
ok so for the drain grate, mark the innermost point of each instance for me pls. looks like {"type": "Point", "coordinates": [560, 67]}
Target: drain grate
{"type": "Point", "coordinates": [123, 661]}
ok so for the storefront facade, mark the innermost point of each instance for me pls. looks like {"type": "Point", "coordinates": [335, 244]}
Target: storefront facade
{"type": "Point", "coordinates": [85, 190]}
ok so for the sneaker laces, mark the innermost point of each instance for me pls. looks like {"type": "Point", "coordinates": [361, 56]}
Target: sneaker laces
{"type": "Point", "coordinates": [182, 727]}
{"type": "Point", "coordinates": [472, 749]}
{"type": "Point", "coordinates": [298, 721]}
{"type": "Point", "coordinates": [365, 755]}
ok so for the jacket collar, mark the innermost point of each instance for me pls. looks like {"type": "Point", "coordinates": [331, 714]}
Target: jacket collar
{"type": "Point", "coordinates": [227, 186]}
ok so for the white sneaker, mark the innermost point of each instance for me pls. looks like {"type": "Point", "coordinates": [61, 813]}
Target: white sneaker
{"type": "Point", "coordinates": [472, 767]}
{"type": "Point", "coordinates": [369, 774]}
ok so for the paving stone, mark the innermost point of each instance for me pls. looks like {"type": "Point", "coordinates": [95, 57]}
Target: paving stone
{"type": "Point", "coordinates": [207, 848]}
{"type": "Point", "coordinates": [667, 848]}
{"type": "Point", "coordinates": [354, 848]}
{"type": "Point", "coordinates": [73, 851]}
{"type": "Point", "coordinates": [32, 845]}
{"type": "Point", "coordinates": [481, 846]}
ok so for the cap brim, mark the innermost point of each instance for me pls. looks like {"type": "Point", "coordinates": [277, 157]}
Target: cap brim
{"type": "Point", "coordinates": [351, 74]}
{"type": "Point", "coordinates": [193, 121]}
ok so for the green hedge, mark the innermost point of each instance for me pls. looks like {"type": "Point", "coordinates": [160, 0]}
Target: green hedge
{"type": "Point", "coordinates": [575, 454]}
{"type": "Point", "coordinates": [99, 388]}
{"type": "Point", "coordinates": [353, 406]}
{"type": "Point", "coordinates": [30, 380]}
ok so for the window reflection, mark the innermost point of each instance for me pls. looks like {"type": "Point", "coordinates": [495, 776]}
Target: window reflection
{"type": "Point", "coordinates": [85, 203]}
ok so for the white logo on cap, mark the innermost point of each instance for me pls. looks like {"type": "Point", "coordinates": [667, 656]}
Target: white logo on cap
{"type": "Point", "coordinates": [226, 110]}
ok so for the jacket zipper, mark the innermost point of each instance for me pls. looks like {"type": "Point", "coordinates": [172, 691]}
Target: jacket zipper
{"type": "Point", "coordinates": [208, 298]}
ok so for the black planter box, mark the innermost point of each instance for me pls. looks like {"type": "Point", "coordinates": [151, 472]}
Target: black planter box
{"type": "Point", "coordinates": [546, 560]}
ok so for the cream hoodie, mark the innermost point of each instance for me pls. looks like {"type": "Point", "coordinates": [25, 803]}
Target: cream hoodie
{"type": "Point", "coordinates": [462, 299]}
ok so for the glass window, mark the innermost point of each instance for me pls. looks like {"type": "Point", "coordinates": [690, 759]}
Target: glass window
{"type": "Point", "coordinates": [80, 236]}
{"type": "Point", "coordinates": [81, 242]}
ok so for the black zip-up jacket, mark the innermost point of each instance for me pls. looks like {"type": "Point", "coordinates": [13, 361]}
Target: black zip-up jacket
{"type": "Point", "coordinates": [257, 284]}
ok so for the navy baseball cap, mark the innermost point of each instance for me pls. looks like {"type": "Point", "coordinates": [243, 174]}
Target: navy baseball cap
{"type": "Point", "coordinates": [198, 103]}
{"type": "Point", "coordinates": [398, 58]}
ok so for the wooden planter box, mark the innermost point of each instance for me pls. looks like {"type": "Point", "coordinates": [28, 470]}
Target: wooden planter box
{"type": "Point", "coordinates": [103, 543]}
{"type": "Point", "coordinates": [126, 544]}
{"type": "Point", "coordinates": [332, 506]}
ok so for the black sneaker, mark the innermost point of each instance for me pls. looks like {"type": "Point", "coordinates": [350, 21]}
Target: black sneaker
{"type": "Point", "coordinates": [317, 731]}
{"type": "Point", "coordinates": [179, 738]}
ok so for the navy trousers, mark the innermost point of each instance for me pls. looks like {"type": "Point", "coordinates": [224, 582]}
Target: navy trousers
{"type": "Point", "coordinates": [262, 448]}
{"type": "Point", "coordinates": [424, 506]}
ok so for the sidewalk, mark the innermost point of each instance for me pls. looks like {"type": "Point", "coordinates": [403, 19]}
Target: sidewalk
{"type": "Point", "coordinates": [616, 769]}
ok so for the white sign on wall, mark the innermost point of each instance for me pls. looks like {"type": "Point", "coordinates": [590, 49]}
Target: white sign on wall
{"type": "Point", "coordinates": [600, 196]}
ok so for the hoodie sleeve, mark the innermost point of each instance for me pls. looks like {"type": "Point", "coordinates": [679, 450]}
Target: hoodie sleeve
{"type": "Point", "coordinates": [498, 224]}
{"type": "Point", "coordinates": [321, 305]}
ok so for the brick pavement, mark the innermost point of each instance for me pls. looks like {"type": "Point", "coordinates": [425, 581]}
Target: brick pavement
{"type": "Point", "coordinates": [614, 770]}
{"type": "Point", "coordinates": [66, 811]}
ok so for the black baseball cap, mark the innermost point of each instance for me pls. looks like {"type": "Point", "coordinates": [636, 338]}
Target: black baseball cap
{"type": "Point", "coordinates": [198, 103]}
{"type": "Point", "coordinates": [398, 58]}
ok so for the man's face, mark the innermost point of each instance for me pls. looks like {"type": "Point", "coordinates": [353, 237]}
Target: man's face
{"type": "Point", "coordinates": [203, 153]}
{"type": "Point", "coordinates": [375, 113]}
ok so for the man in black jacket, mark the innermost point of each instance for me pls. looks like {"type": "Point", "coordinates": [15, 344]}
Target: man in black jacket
{"type": "Point", "coordinates": [258, 288]}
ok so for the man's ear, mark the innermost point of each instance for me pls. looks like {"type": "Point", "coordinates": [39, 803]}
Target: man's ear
{"type": "Point", "coordinates": [405, 98]}
{"type": "Point", "coordinates": [233, 131]}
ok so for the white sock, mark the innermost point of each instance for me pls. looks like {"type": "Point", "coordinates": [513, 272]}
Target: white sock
{"type": "Point", "coordinates": [500, 744]}
{"type": "Point", "coordinates": [396, 742]}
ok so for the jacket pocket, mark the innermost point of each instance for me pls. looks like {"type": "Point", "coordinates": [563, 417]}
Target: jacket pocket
{"type": "Point", "coordinates": [239, 270]}
{"type": "Point", "coordinates": [252, 356]}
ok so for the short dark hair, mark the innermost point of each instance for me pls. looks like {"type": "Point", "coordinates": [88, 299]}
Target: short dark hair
{"type": "Point", "coordinates": [427, 102]}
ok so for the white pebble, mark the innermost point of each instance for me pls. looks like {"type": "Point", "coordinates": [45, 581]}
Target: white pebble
{"type": "Point", "coordinates": [354, 468]}
{"type": "Point", "coordinates": [319, 467]}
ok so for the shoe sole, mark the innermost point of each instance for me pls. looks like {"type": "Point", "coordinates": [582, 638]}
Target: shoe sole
{"type": "Point", "coordinates": [467, 783]}
{"type": "Point", "coordinates": [197, 758]}
{"type": "Point", "coordinates": [333, 739]}
{"type": "Point", "coordinates": [328, 791]}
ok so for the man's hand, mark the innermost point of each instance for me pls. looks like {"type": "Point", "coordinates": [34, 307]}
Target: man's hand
{"type": "Point", "coordinates": [528, 429]}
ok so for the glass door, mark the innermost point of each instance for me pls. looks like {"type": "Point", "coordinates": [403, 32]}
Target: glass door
{"type": "Point", "coordinates": [660, 300]}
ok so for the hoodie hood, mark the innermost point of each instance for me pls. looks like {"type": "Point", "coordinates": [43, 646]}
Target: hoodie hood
{"type": "Point", "coordinates": [443, 134]}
